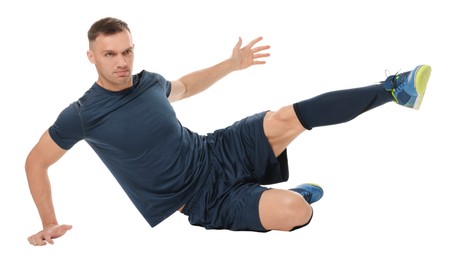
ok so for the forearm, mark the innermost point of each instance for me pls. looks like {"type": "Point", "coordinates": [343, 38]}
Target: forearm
{"type": "Point", "coordinates": [40, 190]}
{"type": "Point", "coordinates": [201, 80]}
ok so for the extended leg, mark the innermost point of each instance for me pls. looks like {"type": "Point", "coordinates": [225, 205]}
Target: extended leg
{"type": "Point", "coordinates": [284, 125]}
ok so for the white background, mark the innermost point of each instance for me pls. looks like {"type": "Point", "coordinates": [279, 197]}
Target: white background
{"type": "Point", "coordinates": [387, 175]}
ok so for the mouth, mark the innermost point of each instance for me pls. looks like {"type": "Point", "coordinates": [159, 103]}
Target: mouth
{"type": "Point", "coordinates": [122, 73]}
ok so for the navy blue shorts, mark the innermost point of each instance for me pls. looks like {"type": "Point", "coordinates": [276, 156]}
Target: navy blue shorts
{"type": "Point", "coordinates": [242, 161]}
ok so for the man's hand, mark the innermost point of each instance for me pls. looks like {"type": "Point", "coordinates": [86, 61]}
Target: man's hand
{"type": "Point", "coordinates": [243, 58]}
{"type": "Point", "coordinates": [48, 234]}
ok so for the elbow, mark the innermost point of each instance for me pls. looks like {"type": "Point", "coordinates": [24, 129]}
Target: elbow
{"type": "Point", "coordinates": [179, 90]}
{"type": "Point", "coordinates": [33, 165]}
{"type": "Point", "coordinates": [184, 90]}
{"type": "Point", "coordinates": [29, 165]}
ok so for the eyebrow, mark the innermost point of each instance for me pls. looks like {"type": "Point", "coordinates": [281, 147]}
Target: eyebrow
{"type": "Point", "coordinates": [112, 51]}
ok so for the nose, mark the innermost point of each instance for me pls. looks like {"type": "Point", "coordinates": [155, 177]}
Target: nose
{"type": "Point", "coordinates": [121, 61]}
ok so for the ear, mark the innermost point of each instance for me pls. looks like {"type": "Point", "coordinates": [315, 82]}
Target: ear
{"type": "Point", "coordinates": [90, 56]}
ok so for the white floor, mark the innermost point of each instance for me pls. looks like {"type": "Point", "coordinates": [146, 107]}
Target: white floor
{"type": "Point", "coordinates": [387, 175]}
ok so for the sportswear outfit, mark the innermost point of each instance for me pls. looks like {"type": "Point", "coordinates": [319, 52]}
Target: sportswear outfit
{"type": "Point", "coordinates": [162, 165]}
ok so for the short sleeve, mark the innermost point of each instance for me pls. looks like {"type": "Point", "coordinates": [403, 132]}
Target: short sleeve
{"type": "Point", "coordinates": [166, 84]}
{"type": "Point", "coordinates": [67, 130]}
{"type": "Point", "coordinates": [168, 88]}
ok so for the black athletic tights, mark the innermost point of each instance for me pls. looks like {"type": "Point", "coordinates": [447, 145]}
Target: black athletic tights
{"type": "Point", "coordinates": [340, 106]}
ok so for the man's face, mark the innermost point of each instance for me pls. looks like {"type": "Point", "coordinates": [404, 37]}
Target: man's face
{"type": "Point", "coordinates": [113, 57]}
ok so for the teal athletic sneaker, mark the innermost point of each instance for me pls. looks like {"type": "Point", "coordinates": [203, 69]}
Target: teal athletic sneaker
{"type": "Point", "coordinates": [409, 87]}
{"type": "Point", "coordinates": [310, 192]}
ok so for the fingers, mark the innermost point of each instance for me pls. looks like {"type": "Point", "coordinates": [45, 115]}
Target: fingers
{"type": "Point", "coordinates": [47, 236]}
{"type": "Point", "coordinates": [41, 239]}
{"type": "Point", "coordinates": [258, 62]}
{"type": "Point", "coordinates": [37, 240]}
{"type": "Point", "coordinates": [62, 230]}
{"type": "Point", "coordinates": [67, 227]}
{"type": "Point", "coordinates": [253, 42]}
{"type": "Point", "coordinates": [239, 43]}
{"type": "Point", "coordinates": [261, 55]}
{"type": "Point", "coordinates": [260, 48]}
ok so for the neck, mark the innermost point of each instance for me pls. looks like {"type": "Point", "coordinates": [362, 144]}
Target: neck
{"type": "Point", "coordinates": [113, 86]}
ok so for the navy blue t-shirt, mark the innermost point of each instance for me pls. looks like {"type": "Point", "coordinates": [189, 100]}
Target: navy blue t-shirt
{"type": "Point", "coordinates": [158, 162]}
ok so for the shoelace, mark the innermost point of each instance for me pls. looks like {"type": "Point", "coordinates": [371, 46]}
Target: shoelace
{"type": "Point", "coordinates": [307, 196]}
{"type": "Point", "coordinates": [397, 85]}
{"type": "Point", "coordinates": [387, 73]}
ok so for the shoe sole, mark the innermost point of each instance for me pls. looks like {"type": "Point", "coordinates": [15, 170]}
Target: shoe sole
{"type": "Point", "coordinates": [420, 80]}
{"type": "Point", "coordinates": [314, 184]}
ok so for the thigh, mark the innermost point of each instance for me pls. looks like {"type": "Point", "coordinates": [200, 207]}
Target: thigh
{"type": "Point", "coordinates": [223, 204]}
{"type": "Point", "coordinates": [242, 152]}
{"type": "Point", "coordinates": [281, 128]}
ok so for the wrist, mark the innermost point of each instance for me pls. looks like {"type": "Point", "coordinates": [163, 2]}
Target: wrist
{"type": "Point", "coordinates": [230, 65]}
{"type": "Point", "coordinates": [50, 224]}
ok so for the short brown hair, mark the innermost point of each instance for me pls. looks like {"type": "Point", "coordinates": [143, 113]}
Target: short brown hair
{"type": "Point", "coordinates": [106, 26]}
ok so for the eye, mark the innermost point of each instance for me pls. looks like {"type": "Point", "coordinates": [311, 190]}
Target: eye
{"type": "Point", "coordinates": [128, 52]}
{"type": "Point", "coordinates": [108, 54]}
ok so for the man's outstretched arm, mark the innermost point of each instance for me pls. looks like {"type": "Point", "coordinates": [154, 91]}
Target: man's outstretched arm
{"type": "Point", "coordinates": [44, 154]}
{"type": "Point", "coordinates": [198, 81]}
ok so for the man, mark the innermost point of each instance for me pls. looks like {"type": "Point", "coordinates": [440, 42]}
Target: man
{"type": "Point", "coordinates": [215, 179]}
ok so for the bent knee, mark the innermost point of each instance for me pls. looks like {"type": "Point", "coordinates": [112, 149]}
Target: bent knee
{"type": "Point", "coordinates": [299, 214]}
{"type": "Point", "coordinates": [284, 210]}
